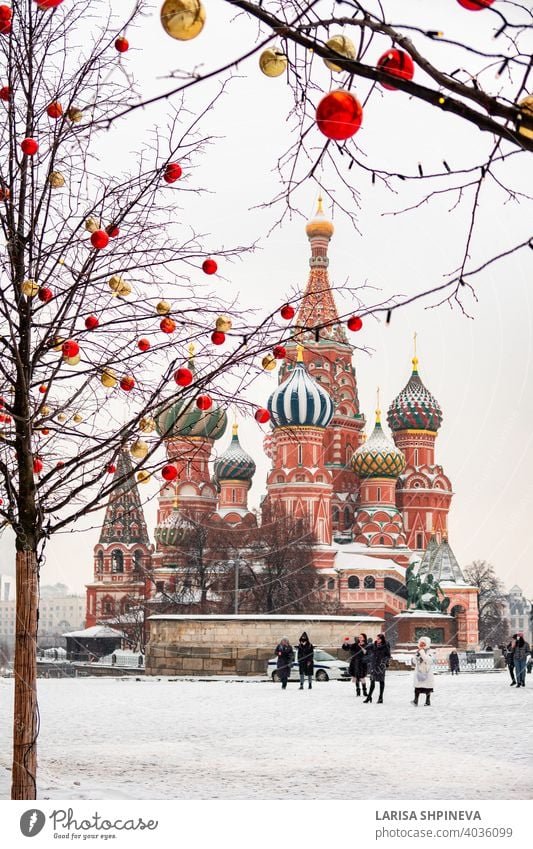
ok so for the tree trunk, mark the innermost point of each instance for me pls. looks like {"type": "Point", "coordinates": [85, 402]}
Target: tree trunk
{"type": "Point", "coordinates": [25, 670]}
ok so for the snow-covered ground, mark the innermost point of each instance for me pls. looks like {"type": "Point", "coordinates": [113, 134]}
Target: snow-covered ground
{"type": "Point", "coordinates": [175, 739]}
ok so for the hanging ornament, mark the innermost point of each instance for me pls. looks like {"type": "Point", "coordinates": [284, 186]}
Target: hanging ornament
{"type": "Point", "coordinates": [139, 449]}
{"type": "Point", "coordinates": [399, 64]}
{"type": "Point", "coordinates": [111, 469]}
{"type": "Point", "coordinates": [183, 19]}
{"type": "Point", "coordinates": [54, 110]}
{"type": "Point", "coordinates": [43, 389]}
{"type": "Point", "coordinates": [119, 286]}
{"type": "Point", "coordinates": [92, 224]}
{"type": "Point", "coordinates": [143, 345]}
{"type": "Point", "coordinates": [45, 431]}
{"type": "Point", "coordinates": [169, 473]}
{"type": "Point", "coordinates": [204, 402]}
{"type": "Point", "coordinates": [37, 466]}
{"type": "Point", "coordinates": [143, 476]}
{"type": "Point", "coordinates": [209, 266]}
{"type": "Point", "coordinates": [183, 376]}
{"type": "Point", "coordinates": [223, 323]}
{"type": "Point", "coordinates": [45, 294]}
{"type": "Point", "coordinates": [526, 105]}
{"type": "Point", "coordinates": [287, 312]}
{"type": "Point", "coordinates": [91, 322]}
{"type": "Point", "coordinates": [29, 147]}
{"type": "Point", "coordinates": [99, 239]}
{"type": "Point", "coordinates": [167, 325]}
{"type": "Point", "coordinates": [162, 308]}
{"type": "Point", "coordinates": [75, 115]}
{"type": "Point", "coordinates": [268, 362]}
{"type": "Point", "coordinates": [61, 418]}
{"type": "Point", "coordinates": [218, 338]}
{"type": "Point", "coordinates": [56, 343]}
{"type": "Point", "coordinates": [44, 410]}
{"type": "Point", "coordinates": [77, 418]}
{"type": "Point", "coordinates": [70, 348]}
{"type": "Point", "coordinates": [273, 62]}
{"type": "Point", "coordinates": [121, 44]}
{"type": "Point", "coordinates": [5, 194]}
{"type": "Point", "coordinates": [339, 115]}
{"type": "Point", "coordinates": [147, 424]}
{"type": "Point", "coordinates": [475, 5]}
{"type": "Point", "coordinates": [59, 464]}
{"type": "Point", "coordinates": [72, 361]}
{"type": "Point", "coordinates": [342, 45]}
{"type": "Point", "coordinates": [56, 180]}
{"type": "Point", "coordinates": [48, 4]}
{"type": "Point", "coordinates": [355, 323]}
{"type": "Point", "coordinates": [29, 288]}
{"type": "Point", "coordinates": [127, 383]}
{"type": "Point", "coordinates": [112, 231]}
{"type": "Point", "coordinates": [262, 415]}
{"type": "Point", "coordinates": [279, 352]}
{"type": "Point", "coordinates": [108, 378]}
{"type": "Point", "coordinates": [5, 92]}
{"type": "Point", "coordinates": [172, 172]}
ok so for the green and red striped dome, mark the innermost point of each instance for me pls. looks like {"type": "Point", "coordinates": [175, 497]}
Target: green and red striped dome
{"type": "Point", "coordinates": [414, 408]}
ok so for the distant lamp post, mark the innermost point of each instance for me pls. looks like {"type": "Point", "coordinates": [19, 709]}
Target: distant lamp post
{"type": "Point", "coordinates": [236, 566]}
{"type": "Point", "coordinates": [338, 574]}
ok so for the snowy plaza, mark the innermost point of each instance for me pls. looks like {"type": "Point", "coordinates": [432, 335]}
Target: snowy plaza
{"type": "Point", "coordinates": [150, 738]}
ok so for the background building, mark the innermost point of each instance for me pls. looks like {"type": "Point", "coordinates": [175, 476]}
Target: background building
{"type": "Point", "coordinates": [518, 612]}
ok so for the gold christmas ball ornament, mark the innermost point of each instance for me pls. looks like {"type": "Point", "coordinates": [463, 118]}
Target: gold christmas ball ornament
{"type": "Point", "coordinates": [29, 288]}
{"type": "Point", "coordinates": [147, 424]}
{"type": "Point", "coordinates": [223, 323]}
{"type": "Point", "coordinates": [119, 286]}
{"type": "Point", "coordinates": [92, 225]}
{"type": "Point", "coordinates": [74, 114]}
{"type": "Point", "coordinates": [526, 105]}
{"type": "Point", "coordinates": [344, 46]}
{"type": "Point", "coordinates": [182, 19]}
{"type": "Point", "coordinates": [163, 307]}
{"type": "Point", "coordinates": [61, 418]}
{"type": "Point", "coordinates": [273, 62]}
{"type": "Point", "coordinates": [268, 362]}
{"type": "Point", "coordinates": [57, 343]}
{"type": "Point", "coordinates": [108, 378]}
{"type": "Point", "coordinates": [143, 476]}
{"type": "Point", "coordinates": [56, 180]}
{"type": "Point", "coordinates": [72, 361]}
{"type": "Point", "coordinates": [139, 449]}
{"type": "Point", "coordinates": [45, 411]}
{"type": "Point", "coordinates": [77, 418]}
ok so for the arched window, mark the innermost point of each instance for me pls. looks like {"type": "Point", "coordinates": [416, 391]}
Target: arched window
{"type": "Point", "coordinates": [382, 540]}
{"type": "Point", "coordinates": [331, 584]}
{"type": "Point", "coordinates": [280, 479]}
{"type": "Point", "coordinates": [319, 479]}
{"type": "Point", "coordinates": [369, 582]}
{"type": "Point", "coordinates": [416, 456]}
{"type": "Point", "coordinates": [347, 517]}
{"type": "Point", "coordinates": [379, 494]}
{"type": "Point", "coordinates": [353, 582]}
{"type": "Point", "coordinates": [300, 455]}
{"type": "Point", "coordinates": [420, 541]}
{"type": "Point", "coordinates": [107, 605]}
{"type": "Point", "coordinates": [137, 559]}
{"type": "Point", "coordinates": [335, 514]}
{"type": "Point", "coordinates": [117, 561]}
{"type": "Point", "coordinates": [100, 561]}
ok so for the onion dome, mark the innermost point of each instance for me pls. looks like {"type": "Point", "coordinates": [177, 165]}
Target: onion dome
{"type": "Point", "coordinates": [183, 419]}
{"type": "Point", "coordinates": [319, 225]}
{"type": "Point", "coordinates": [378, 457]}
{"type": "Point", "coordinates": [234, 464]}
{"type": "Point", "coordinates": [414, 408]}
{"type": "Point", "coordinates": [175, 530]}
{"type": "Point", "coordinates": [300, 401]}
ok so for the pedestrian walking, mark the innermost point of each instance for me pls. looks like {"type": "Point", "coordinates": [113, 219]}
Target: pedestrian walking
{"type": "Point", "coordinates": [453, 660]}
{"type": "Point", "coordinates": [521, 651]}
{"type": "Point", "coordinates": [378, 660]}
{"type": "Point", "coordinates": [509, 658]}
{"type": "Point", "coordinates": [358, 667]}
{"type": "Point", "coordinates": [423, 674]}
{"type": "Point", "coordinates": [285, 655]}
{"type": "Point", "coordinates": [305, 660]}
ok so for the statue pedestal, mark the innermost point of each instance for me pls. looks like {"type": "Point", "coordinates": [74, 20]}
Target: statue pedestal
{"type": "Point", "coordinates": [408, 626]}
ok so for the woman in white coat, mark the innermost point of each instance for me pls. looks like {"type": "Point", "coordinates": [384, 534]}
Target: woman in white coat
{"type": "Point", "coordinates": [423, 674]}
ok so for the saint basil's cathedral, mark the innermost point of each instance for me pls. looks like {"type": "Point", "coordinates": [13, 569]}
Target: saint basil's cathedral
{"type": "Point", "coordinates": [374, 505]}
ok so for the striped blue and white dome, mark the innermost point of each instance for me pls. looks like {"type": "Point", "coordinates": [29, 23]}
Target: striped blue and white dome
{"type": "Point", "coordinates": [300, 401]}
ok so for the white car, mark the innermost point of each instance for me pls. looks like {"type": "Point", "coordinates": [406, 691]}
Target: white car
{"type": "Point", "coordinates": [326, 667]}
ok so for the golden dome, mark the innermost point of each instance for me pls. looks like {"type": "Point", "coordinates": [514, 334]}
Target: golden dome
{"type": "Point", "coordinates": [319, 225]}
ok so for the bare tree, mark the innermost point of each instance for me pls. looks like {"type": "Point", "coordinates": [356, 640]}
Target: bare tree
{"type": "Point", "coordinates": [493, 628]}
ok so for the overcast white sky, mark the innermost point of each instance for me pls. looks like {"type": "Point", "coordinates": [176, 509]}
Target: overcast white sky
{"type": "Point", "coordinates": [479, 368]}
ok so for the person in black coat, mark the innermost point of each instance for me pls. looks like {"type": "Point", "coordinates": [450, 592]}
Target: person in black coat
{"type": "Point", "coordinates": [285, 655]}
{"type": "Point", "coordinates": [379, 656]}
{"type": "Point", "coordinates": [509, 658]}
{"type": "Point", "coordinates": [453, 660]}
{"type": "Point", "coordinates": [358, 661]}
{"type": "Point", "coordinates": [305, 660]}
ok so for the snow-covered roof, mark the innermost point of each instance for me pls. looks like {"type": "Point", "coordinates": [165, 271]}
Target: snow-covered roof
{"type": "Point", "coordinates": [96, 632]}
{"type": "Point", "coordinates": [276, 617]}
{"type": "Point", "coordinates": [355, 556]}
{"type": "Point", "coordinates": [425, 614]}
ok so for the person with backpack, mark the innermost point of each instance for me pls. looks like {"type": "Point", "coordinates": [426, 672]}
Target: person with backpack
{"type": "Point", "coordinates": [285, 657]}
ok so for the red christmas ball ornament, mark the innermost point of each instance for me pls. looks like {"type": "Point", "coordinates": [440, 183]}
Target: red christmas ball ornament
{"type": "Point", "coordinates": [45, 294]}
{"type": "Point", "coordinates": [339, 115]}
{"type": "Point", "coordinates": [59, 464]}
{"type": "Point", "coordinates": [70, 348]}
{"type": "Point", "coordinates": [279, 352]}
{"type": "Point", "coordinates": [172, 172]}
{"type": "Point", "coordinates": [143, 345]}
{"type": "Point", "coordinates": [91, 322]}
{"type": "Point", "coordinates": [287, 312]}
{"type": "Point", "coordinates": [218, 338]}
{"type": "Point", "coordinates": [355, 323]}
{"type": "Point", "coordinates": [111, 469]}
{"type": "Point", "coordinates": [262, 415]}
{"type": "Point", "coordinates": [5, 93]}
{"type": "Point", "coordinates": [29, 147]}
{"type": "Point", "coordinates": [183, 376]}
{"type": "Point", "coordinates": [121, 44]}
{"type": "Point", "coordinates": [167, 325]}
{"type": "Point", "coordinates": [5, 26]}
{"type": "Point", "coordinates": [37, 466]}
{"type": "Point", "coordinates": [54, 110]}
{"type": "Point", "coordinates": [48, 4]}
{"type": "Point", "coordinates": [127, 383]}
{"type": "Point", "coordinates": [399, 64]}
{"type": "Point", "coordinates": [209, 266]}
{"type": "Point", "coordinates": [204, 402]}
{"type": "Point", "coordinates": [475, 5]}
{"type": "Point", "coordinates": [45, 431]}
{"type": "Point", "coordinates": [42, 389]}
{"type": "Point", "coordinates": [5, 12]}
{"type": "Point", "coordinates": [169, 473]}
{"type": "Point", "coordinates": [99, 239]}
{"type": "Point", "coordinates": [112, 231]}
